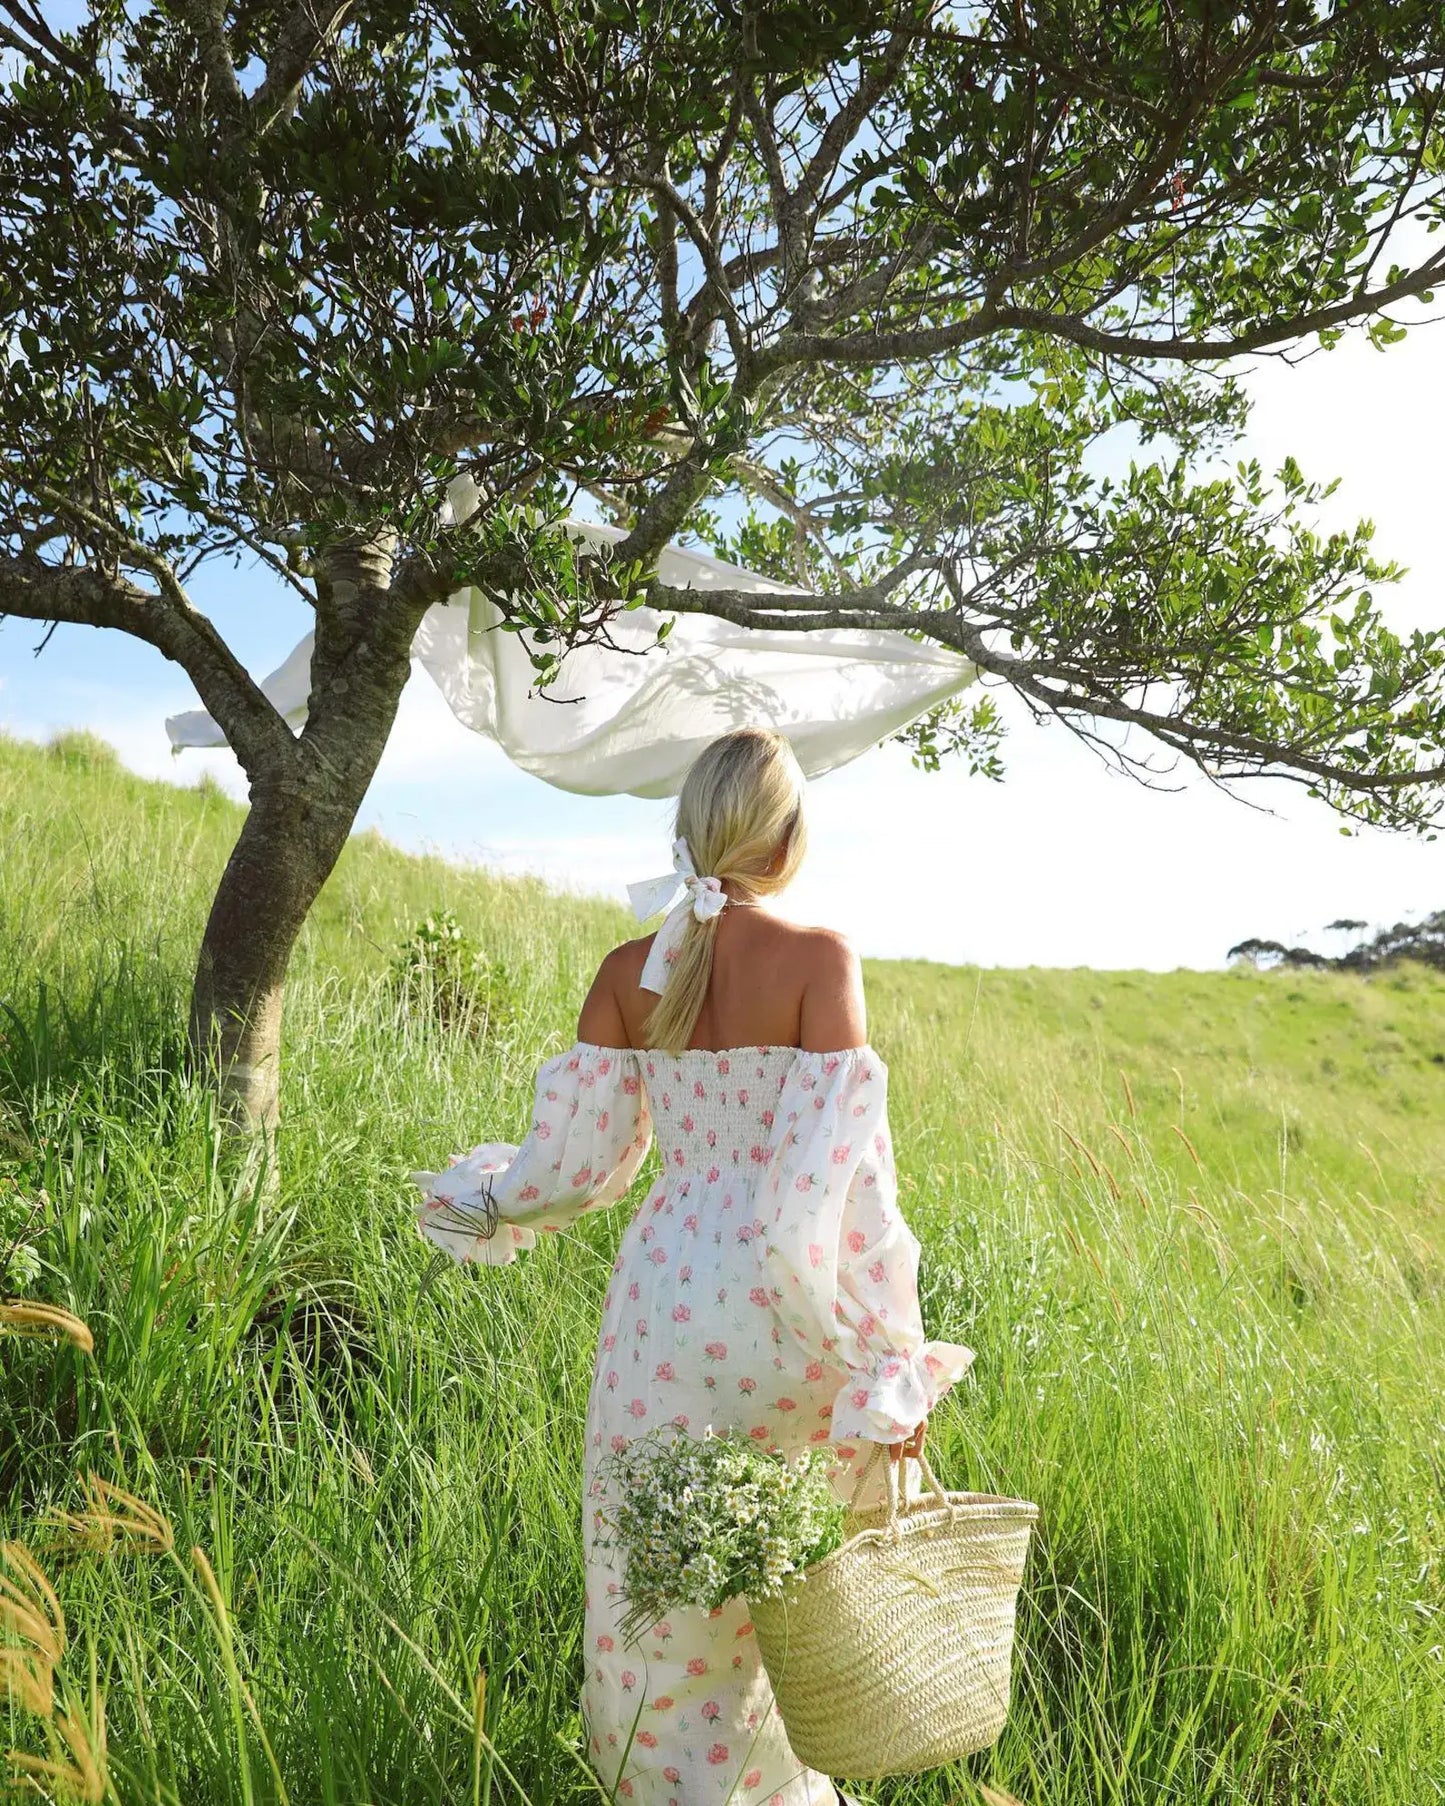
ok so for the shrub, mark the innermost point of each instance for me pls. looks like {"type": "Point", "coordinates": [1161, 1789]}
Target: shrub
{"type": "Point", "coordinates": [440, 974]}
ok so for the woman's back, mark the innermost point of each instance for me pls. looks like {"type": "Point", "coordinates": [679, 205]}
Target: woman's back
{"type": "Point", "coordinates": [772, 984]}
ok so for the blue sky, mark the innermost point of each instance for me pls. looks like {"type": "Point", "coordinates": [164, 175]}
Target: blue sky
{"type": "Point", "coordinates": [1064, 863]}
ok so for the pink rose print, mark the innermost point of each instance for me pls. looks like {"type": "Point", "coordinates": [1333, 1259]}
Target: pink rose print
{"type": "Point", "coordinates": [875, 1272]}
{"type": "Point", "coordinates": [712, 1711]}
{"type": "Point", "coordinates": [528, 1194]}
{"type": "Point", "coordinates": [759, 1432]}
{"type": "Point", "coordinates": [662, 1631]}
{"type": "Point", "coordinates": [649, 1232]}
{"type": "Point", "coordinates": [713, 1175]}
{"type": "Point", "coordinates": [840, 1154]}
{"type": "Point", "coordinates": [716, 1351]}
{"type": "Point", "coordinates": [718, 1754]}
{"type": "Point", "coordinates": [846, 1451]}
{"type": "Point", "coordinates": [648, 1739]}
{"type": "Point", "coordinates": [712, 1138]}
{"type": "Point", "coordinates": [787, 1404]}
{"type": "Point", "coordinates": [678, 1156]}
{"type": "Point", "coordinates": [665, 1703]}
{"type": "Point", "coordinates": [891, 1369]}
{"type": "Point", "coordinates": [658, 1257]}
{"type": "Point", "coordinates": [815, 1254]}
{"type": "Point", "coordinates": [543, 1131]}
{"type": "Point", "coordinates": [684, 1274]}
{"type": "Point", "coordinates": [857, 1241]}
{"type": "Point", "coordinates": [697, 1666]}
{"type": "Point", "coordinates": [932, 1363]}
{"type": "Point", "coordinates": [742, 1097]}
{"type": "Point", "coordinates": [603, 1118]}
{"type": "Point", "coordinates": [690, 1223]}
{"type": "Point", "coordinates": [605, 1644]}
{"type": "Point", "coordinates": [818, 1436]}
{"type": "Point", "coordinates": [866, 1326]}
{"type": "Point", "coordinates": [609, 1341]}
{"type": "Point", "coordinates": [681, 1313]}
{"type": "Point", "coordinates": [631, 1086]}
{"type": "Point", "coordinates": [752, 1777]}
{"type": "Point", "coordinates": [724, 1067]}
{"type": "Point", "coordinates": [625, 1789]}
{"type": "Point", "coordinates": [672, 1774]}
{"type": "Point", "coordinates": [860, 1109]}
{"type": "Point", "coordinates": [759, 1297]}
{"type": "Point", "coordinates": [641, 1328]}
{"type": "Point", "coordinates": [697, 1090]}
{"type": "Point", "coordinates": [767, 1119]}
{"type": "Point", "coordinates": [804, 1182]}
{"type": "Point", "coordinates": [634, 1291]}
{"type": "Point", "coordinates": [638, 1409]}
{"type": "Point", "coordinates": [680, 1421]}
{"type": "Point", "coordinates": [747, 1385]}
{"type": "Point", "coordinates": [813, 1371]}
{"type": "Point", "coordinates": [664, 1371]}
{"type": "Point", "coordinates": [612, 1377]}
{"type": "Point", "coordinates": [667, 1100]}
{"type": "Point", "coordinates": [629, 1680]}
{"type": "Point", "coordinates": [618, 1443]}
{"type": "Point", "coordinates": [859, 1397]}
{"type": "Point", "coordinates": [688, 1125]}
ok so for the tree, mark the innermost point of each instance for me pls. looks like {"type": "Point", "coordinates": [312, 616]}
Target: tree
{"type": "Point", "coordinates": [944, 298]}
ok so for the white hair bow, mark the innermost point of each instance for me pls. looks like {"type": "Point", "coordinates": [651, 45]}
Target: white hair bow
{"type": "Point", "coordinates": [682, 893]}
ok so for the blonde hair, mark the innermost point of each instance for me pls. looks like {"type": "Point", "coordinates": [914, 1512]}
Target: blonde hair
{"type": "Point", "coordinates": [741, 806]}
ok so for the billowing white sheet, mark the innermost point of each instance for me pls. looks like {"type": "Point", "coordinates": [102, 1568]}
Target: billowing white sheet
{"type": "Point", "coordinates": [634, 719]}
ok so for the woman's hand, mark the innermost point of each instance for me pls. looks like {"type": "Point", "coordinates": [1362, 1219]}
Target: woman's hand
{"type": "Point", "coordinates": [913, 1447]}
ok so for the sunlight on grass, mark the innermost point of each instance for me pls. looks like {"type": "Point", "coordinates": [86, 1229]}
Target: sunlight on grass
{"type": "Point", "coordinates": [316, 1536]}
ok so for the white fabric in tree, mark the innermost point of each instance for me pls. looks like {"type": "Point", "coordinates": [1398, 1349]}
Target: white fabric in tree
{"type": "Point", "coordinates": [632, 719]}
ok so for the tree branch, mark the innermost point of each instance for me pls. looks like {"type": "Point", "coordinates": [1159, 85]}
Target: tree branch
{"type": "Point", "coordinates": [303, 34]}
{"type": "Point", "coordinates": [85, 595]}
{"type": "Point", "coordinates": [905, 346]}
{"type": "Point", "coordinates": [866, 608]}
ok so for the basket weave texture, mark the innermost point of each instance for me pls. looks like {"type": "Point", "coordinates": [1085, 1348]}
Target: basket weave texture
{"type": "Point", "coordinates": [894, 1653]}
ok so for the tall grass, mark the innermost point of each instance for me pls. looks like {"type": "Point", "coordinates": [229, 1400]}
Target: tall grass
{"type": "Point", "coordinates": [1191, 1224]}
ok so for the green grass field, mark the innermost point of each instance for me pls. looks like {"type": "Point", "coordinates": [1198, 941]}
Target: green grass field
{"type": "Point", "coordinates": [1194, 1226]}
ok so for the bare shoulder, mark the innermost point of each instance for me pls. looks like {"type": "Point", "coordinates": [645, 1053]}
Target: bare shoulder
{"type": "Point", "coordinates": [826, 952]}
{"type": "Point", "coordinates": [833, 1015]}
{"type": "Point", "coordinates": [622, 967]}
{"type": "Point", "coordinates": [603, 1018]}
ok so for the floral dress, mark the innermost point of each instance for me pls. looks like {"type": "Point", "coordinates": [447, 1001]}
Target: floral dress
{"type": "Point", "coordinates": [766, 1285]}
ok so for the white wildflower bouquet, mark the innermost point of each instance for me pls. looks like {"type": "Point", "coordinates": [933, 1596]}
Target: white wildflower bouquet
{"type": "Point", "coordinates": [701, 1520]}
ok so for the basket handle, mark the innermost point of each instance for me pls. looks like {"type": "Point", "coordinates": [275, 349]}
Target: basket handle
{"type": "Point", "coordinates": [895, 1469]}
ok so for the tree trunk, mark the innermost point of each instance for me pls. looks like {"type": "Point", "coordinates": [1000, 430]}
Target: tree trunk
{"type": "Point", "coordinates": [302, 811]}
{"type": "Point", "coordinates": [288, 846]}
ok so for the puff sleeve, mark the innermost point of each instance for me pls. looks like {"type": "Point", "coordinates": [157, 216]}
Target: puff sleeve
{"type": "Point", "coordinates": [841, 1262]}
{"type": "Point", "coordinates": [590, 1132]}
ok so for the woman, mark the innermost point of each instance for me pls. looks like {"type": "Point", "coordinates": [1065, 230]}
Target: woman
{"type": "Point", "coordinates": [767, 1283]}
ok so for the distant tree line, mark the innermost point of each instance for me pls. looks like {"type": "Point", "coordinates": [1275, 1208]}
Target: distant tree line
{"type": "Point", "coordinates": [1422, 941]}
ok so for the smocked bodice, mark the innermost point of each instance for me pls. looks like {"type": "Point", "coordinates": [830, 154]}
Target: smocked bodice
{"type": "Point", "coordinates": [715, 1110]}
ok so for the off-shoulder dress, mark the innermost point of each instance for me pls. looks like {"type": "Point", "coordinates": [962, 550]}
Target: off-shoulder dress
{"type": "Point", "coordinates": [766, 1285]}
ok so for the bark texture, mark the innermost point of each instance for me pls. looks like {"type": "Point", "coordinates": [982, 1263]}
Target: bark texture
{"type": "Point", "coordinates": [303, 808]}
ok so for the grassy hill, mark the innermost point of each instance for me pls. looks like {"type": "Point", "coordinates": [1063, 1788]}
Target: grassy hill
{"type": "Point", "coordinates": [1191, 1223]}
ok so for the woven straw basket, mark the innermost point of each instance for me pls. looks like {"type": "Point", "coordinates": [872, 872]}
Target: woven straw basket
{"type": "Point", "coordinates": [893, 1653]}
